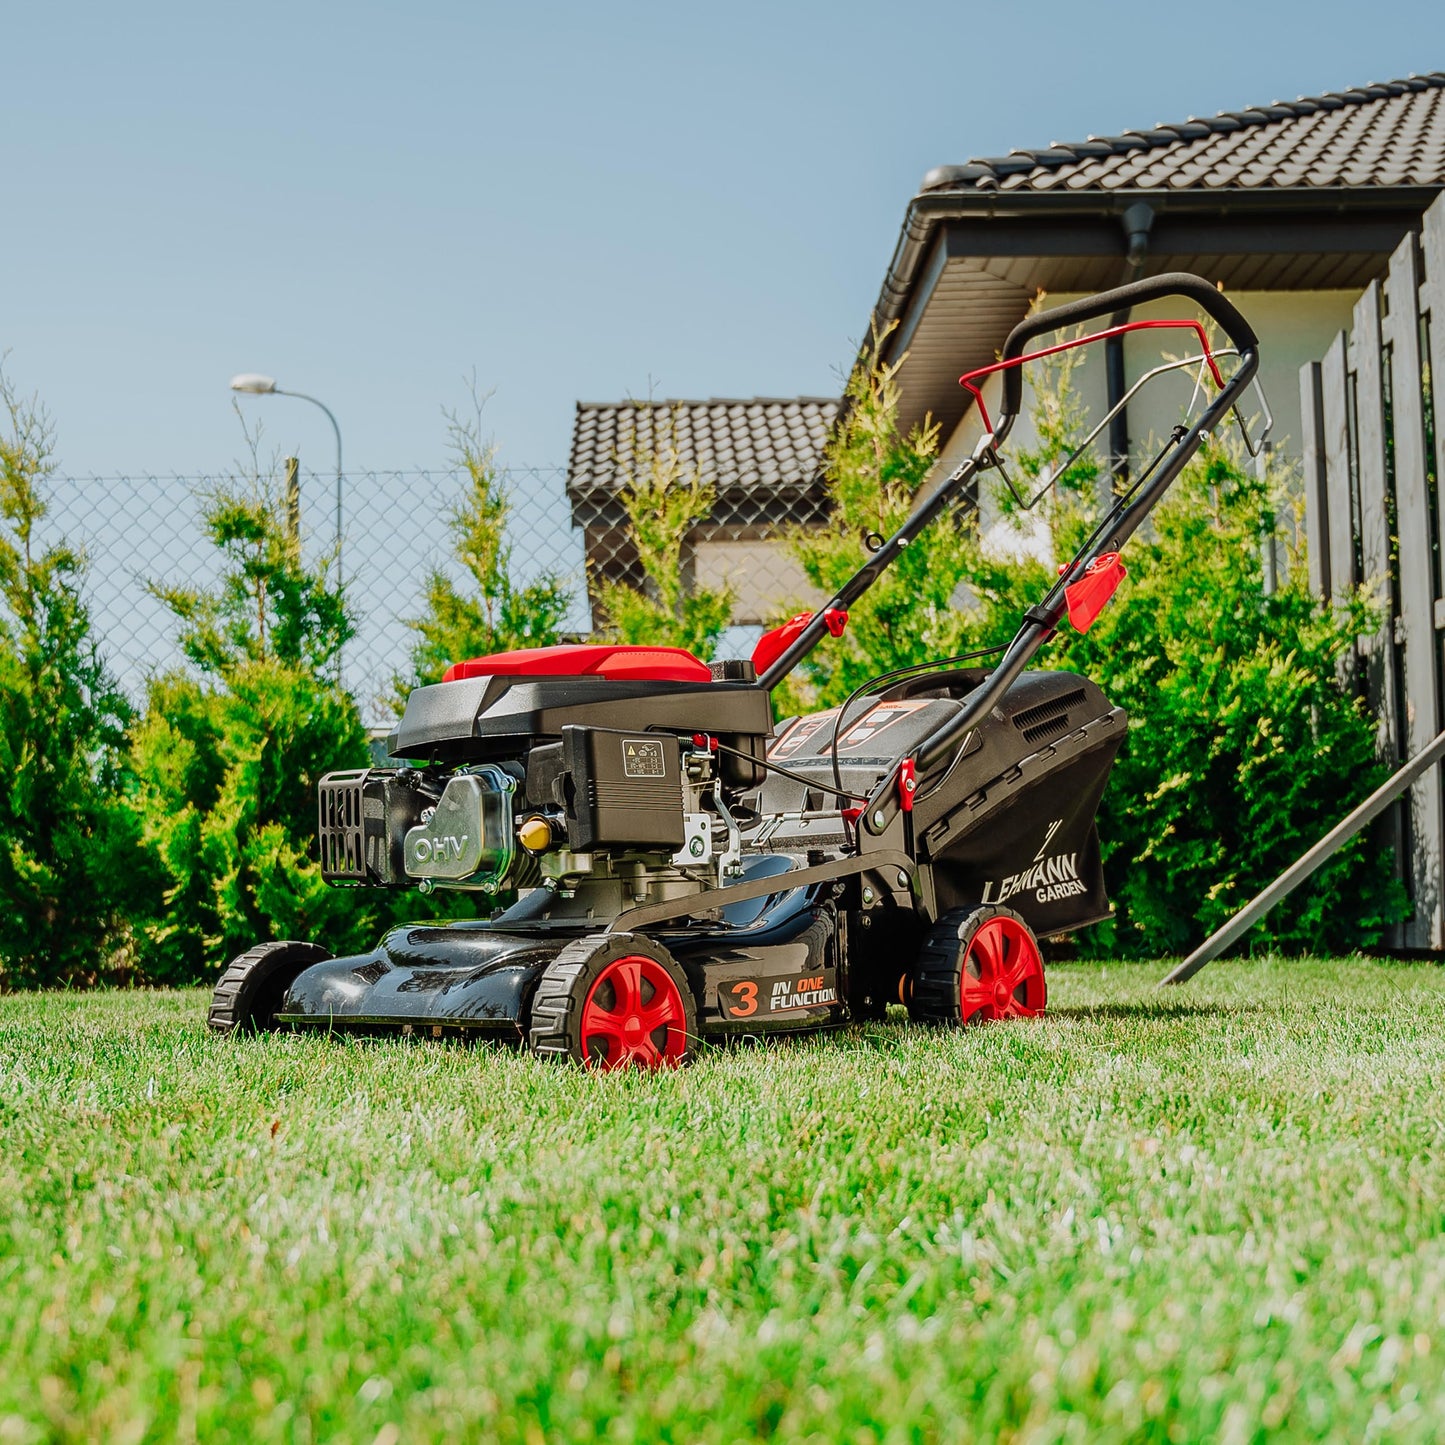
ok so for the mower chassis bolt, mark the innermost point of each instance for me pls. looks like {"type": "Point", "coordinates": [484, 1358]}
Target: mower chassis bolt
{"type": "Point", "coordinates": [902, 879]}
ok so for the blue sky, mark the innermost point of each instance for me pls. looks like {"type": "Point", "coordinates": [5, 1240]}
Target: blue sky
{"type": "Point", "coordinates": [574, 201]}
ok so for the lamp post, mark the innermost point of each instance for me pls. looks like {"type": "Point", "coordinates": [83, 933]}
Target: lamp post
{"type": "Point", "coordinates": [252, 383]}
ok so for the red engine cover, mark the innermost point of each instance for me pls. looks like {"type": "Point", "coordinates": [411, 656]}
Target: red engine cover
{"type": "Point", "coordinates": [585, 659]}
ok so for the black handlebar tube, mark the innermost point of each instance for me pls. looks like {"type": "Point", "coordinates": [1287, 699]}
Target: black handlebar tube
{"type": "Point", "coordinates": [1153, 288]}
{"type": "Point", "coordinates": [1047, 615]}
{"type": "Point", "coordinates": [817, 626]}
{"type": "Point", "coordinates": [1043, 619]}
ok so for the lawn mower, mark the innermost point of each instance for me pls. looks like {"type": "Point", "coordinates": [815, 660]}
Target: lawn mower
{"type": "Point", "coordinates": [685, 868]}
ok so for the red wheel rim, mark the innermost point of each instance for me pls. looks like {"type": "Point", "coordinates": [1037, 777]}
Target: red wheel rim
{"type": "Point", "coordinates": [1003, 973]}
{"type": "Point", "coordinates": [633, 1017]}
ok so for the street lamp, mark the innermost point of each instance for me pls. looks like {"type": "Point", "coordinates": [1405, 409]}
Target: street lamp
{"type": "Point", "coordinates": [252, 383]}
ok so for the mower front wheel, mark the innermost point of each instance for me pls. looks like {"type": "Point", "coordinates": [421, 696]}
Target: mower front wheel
{"type": "Point", "coordinates": [251, 989]}
{"type": "Point", "coordinates": [615, 1001]}
{"type": "Point", "coordinates": [977, 965]}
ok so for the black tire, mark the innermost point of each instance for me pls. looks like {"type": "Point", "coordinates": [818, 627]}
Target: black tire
{"type": "Point", "coordinates": [947, 986]}
{"type": "Point", "coordinates": [555, 1026]}
{"type": "Point", "coordinates": [250, 991]}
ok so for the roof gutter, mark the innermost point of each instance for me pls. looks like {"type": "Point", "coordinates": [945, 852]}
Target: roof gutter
{"type": "Point", "coordinates": [927, 210]}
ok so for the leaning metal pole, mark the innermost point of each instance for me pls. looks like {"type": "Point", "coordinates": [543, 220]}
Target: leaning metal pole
{"type": "Point", "coordinates": [1297, 872]}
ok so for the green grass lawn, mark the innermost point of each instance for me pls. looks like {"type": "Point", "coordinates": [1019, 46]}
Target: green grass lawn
{"type": "Point", "coordinates": [1210, 1213]}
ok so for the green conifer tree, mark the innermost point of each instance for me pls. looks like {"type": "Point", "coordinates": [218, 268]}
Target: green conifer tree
{"type": "Point", "coordinates": [70, 873]}
{"type": "Point", "coordinates": [664, 496]}
{"type": "Point", "coordinates": [228, 753]}
{"type": "Point", "coordinates": [874, 473]}
{"type": "Point", "coordinates": [490, 613]}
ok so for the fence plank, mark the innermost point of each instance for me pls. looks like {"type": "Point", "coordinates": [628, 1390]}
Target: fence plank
{"type": "Point", "coordinates": [1400, 331]}
{"type": "Point", "coordinates": [1335, 436]}
{"type": "Point", "coordinates": [1375, 515]}
{"type": "Point", "coordinates": [1432, 306]}
{"type": "Point", "coordinates": [1377, 650]}
{"type": "Point", "coordinates": [1317, 497]}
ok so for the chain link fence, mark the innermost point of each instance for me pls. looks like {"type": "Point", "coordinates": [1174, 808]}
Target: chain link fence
{"type": "Point", "coordinates": [138, 530]}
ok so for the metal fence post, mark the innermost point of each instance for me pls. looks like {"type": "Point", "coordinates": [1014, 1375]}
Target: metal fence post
{"type": "Point", "coordinates": [293, 504]}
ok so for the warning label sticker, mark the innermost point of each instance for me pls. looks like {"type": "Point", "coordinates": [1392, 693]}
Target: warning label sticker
{"type": "Point", "coordinates": [643, 758]}
{"type": "Point", "coordinates": [796, 736]}
{"type": "Point", "coordinates": [875, 720]}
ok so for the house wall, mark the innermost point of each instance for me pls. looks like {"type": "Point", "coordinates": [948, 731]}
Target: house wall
{"type": "Point", "coordinates": [767, 581]}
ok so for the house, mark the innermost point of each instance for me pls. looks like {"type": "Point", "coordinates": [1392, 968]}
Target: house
{"type": "Point", "coordinates": [761, 455]}
{"type": "Point", "coordinates": [1292, 207]}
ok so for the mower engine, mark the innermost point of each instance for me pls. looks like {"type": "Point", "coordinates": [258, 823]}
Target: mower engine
{"type": "Point", "coordinates": [504, 792]}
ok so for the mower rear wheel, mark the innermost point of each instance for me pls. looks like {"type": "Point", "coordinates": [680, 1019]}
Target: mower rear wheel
{"type": "Point", "coordinates": [978, 965]}
{"type": "Point", "coordinates": [615, 1001]}
{"type": "Point", "coordinates": [251, 989]}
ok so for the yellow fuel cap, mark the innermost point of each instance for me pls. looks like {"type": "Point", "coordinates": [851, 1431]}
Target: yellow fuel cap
{"type": "Point", "coordinates": [535, 835]}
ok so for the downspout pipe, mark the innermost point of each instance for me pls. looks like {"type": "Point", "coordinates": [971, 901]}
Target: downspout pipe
{"type": "Point", "coordinates": [1138, 221]}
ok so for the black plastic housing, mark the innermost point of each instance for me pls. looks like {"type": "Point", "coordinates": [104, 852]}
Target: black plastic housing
{"type": "Point", "coordinates": [1008, 818]}
{"type": "Point", "coordinates": [747, 973]}
{"type": "Point", "coordinates": [624, 789]}
{"type": "Point", "coordinates": [449, 720]}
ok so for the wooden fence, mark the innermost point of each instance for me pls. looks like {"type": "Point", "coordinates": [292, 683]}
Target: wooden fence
{"type": "Point", "coordinates": [1373, 459]}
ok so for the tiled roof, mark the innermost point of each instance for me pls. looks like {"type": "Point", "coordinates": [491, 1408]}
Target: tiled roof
{"type": "Point", "coordinates": [763, 442]}
{"type": "Point", "coordinates": [1379, 135]}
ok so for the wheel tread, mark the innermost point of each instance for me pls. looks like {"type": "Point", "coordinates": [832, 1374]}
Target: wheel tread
{"type": "Point", "coordinates": [938, 971]}
{"type": "Point", "coordinates": [557, 999]}
{"type": "Point", "coordinates": [232, 999]}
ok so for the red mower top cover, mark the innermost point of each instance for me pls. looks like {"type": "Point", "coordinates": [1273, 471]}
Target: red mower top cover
{"type": "Point", "coordinates": [585, 659]}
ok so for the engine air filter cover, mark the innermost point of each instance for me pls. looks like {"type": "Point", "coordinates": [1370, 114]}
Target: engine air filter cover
{"type": "Point", "coordinates": [626, 789]}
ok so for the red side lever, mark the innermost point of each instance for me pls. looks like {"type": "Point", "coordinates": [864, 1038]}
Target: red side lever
{"type": "Point", "coordinates": [907, 784]}
{"type": "Point", "coordinates": [771, 645]}
{"type": "Point", "coordinates": [1087, 596]}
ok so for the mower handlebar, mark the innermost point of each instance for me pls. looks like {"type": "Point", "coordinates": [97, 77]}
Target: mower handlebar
{"type": "Point", "coordinates": [1106, 303]}
{"type": "Point", "coordinates": [1121, 298]}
